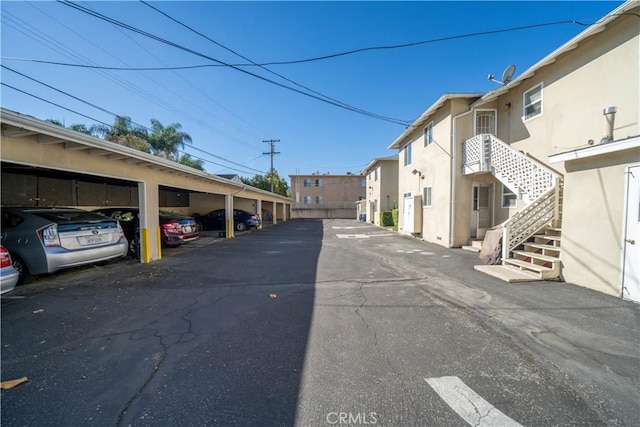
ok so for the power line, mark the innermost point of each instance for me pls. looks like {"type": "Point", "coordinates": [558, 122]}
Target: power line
{"type": "Point", "coordinates": [355, 109]}
{"type": "Point", "coordinates": [114, 114]}
{"type": "Point", "coordinates": [312, 59]}
{"type": "Point", "coordinates": [186, 49]}
{"type": "Point", "coordinates": [151, 96]}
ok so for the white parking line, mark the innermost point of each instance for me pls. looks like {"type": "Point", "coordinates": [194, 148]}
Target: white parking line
{"type": "Point", "coordinates": [468, 404]}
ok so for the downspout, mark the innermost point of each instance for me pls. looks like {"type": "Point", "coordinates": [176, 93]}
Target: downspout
{"type": "Point", "coordinates": [452, 205]}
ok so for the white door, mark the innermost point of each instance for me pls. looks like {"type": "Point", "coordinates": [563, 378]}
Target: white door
{"type": "Point", "coordinates": [631, 237]}
{"type": "Point", "coordinates": [482, 215]}
{"type": "Point", "coordinates": [407, 215]}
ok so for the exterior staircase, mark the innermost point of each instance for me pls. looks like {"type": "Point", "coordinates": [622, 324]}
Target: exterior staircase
{"type": "Point", "coordinates": [530, 238]}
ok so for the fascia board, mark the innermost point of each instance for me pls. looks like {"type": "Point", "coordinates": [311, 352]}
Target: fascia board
{"type": "Point", "coordinates": [596, 150]}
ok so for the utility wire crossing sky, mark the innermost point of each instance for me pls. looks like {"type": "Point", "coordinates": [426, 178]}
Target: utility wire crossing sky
{"type": "Point", "coordinates": [334, 82]}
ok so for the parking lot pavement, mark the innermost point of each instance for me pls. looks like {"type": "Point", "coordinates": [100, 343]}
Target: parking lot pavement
{"type": "Point", "coordinates": [307, 319]}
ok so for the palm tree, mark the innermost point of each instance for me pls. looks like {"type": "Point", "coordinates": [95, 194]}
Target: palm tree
{"type": "Point", "coordinates": [187, 160]}
{"type": "Point", "coordinates": [122, 126]}
{"type": "Point", "coordinates": [123, 132]}
{"type": "Point", "coordinates": [166, 141]}
{"type": "Point", "coordinates": [81, 128]}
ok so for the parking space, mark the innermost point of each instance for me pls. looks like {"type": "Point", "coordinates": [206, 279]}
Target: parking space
{"type": "Point", "coordinates": [45, 165]}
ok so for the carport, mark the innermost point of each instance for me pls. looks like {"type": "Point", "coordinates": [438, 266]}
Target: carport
{"type": "Point", "coordinates": [45, 164]}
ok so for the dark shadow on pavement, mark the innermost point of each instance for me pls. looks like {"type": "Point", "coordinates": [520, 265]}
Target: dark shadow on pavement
{"type": "Point", "coordinates": [211, 335]}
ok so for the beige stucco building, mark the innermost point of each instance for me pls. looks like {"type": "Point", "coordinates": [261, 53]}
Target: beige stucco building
{"type": "Point", "coordinates": [326, 196]}
{"type": "Point", "coordinates": [381, 187]}
{"type": "Point", "coordinates": [548, 159]}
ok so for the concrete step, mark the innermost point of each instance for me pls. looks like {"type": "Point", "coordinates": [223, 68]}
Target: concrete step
{"type": "Point", "coordinates": [536, 255]}
{"type": "Point", "coordinates": [507, 273]}
{"type": "Point", "coordinates": [527, 265]}
{"type": "Point", "coordinates": [541, 246]}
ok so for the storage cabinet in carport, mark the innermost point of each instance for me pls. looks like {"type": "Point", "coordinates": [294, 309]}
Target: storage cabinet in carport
{"type": "Point", "coordinates": [32, 190]}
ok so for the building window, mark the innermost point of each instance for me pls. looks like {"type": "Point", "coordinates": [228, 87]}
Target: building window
{"type": "Point", "coordinates": [485, 122]}
{"type": "Point", "coordinates": [428, 134]}
{"type": "Point", "coordinates": [375, 205]}
{"type": "Point", "coordinates": [426, 197]}
{"type": "Point", "coordinates": [407, 154]}
{"type": "Point", "coordinates": [307, 182]}
{"type": "Point", "coordinates": [407, 195]}
{"type": "Point", "coordinates": [533, 102]}
{"type": "Point", "coordinates": [375, 173]}
{"type": "Point", "coordinates": [508, 197]}
{"type": "Point", "coordinates": [318, 182]}
{"type": "Point", "coordinates": [363, 183]}
{"type": "Point", "coordinates": [307, 200]}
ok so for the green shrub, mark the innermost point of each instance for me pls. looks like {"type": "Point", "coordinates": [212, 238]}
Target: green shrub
{"type": "Point", "coordinates": [387, 219]}
{"type": "Point", "coordinates": [394, 215]}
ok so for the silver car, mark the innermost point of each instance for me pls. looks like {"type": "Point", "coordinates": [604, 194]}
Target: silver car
{"type": "Point", "coordinates": [44, 240]}
{"type": "Point", "coordinates": [8, 275]}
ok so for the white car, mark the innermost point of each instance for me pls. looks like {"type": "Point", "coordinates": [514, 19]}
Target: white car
{"type": "Point", "coordinates": [44, 240]}
{"type": "Point", "coordinates": [8, 275]}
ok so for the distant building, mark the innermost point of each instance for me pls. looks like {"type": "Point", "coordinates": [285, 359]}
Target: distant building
{"type": "Point", "coordinates": [326, 196]}
{"type": "Point", "coordinates": [382, 187]}
{"type": "Point", "coordinates": [231, 177]}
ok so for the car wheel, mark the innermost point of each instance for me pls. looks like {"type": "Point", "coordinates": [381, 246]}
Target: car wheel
{"type": "Point", "coordinates": [22, 269]}
{"type": "Point", "coordinates": [134, 246]}
{"type": "Point", "coordinates": [241, 226]}
{"type": "Point", "coordinates": [199, 226]}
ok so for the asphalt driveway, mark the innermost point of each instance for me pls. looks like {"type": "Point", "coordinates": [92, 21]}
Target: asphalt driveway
{"type": "Point", "coordinates": [314, 323]}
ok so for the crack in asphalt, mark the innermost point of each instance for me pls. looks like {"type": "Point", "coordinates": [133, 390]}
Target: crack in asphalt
{"type": "Point", "coordinates": [166, 347]}
{"type": "Point", "coordinates": [377, 346]}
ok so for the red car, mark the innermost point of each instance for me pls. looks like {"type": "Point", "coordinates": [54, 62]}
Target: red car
{"type": "Point", "coordinates": [175, 229]}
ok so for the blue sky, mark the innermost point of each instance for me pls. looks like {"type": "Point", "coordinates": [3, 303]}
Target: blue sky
{"type": "Point", "coordinates": [229, 112]}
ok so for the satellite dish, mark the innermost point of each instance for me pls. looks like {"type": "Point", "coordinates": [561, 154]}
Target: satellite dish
{"type": "Point", "coordinates": [508, 74]}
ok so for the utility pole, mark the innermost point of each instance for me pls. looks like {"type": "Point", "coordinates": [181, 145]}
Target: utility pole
{"type": "Point", "coordinates": [272, 143]}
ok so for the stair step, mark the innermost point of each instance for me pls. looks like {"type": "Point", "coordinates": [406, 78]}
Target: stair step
{"type": "Point", "coordinates": [541, 246]}
{"type": "Point", "coordinates": [548, 237]}
{"type": "Point", "coordinates": [556, 229]}
{"type": "Point", "coordinates": [527, 265]}
{"type": "Point", "coordinates": [535, 255]}
{"type": "Point", "coordinates": [507, 273]}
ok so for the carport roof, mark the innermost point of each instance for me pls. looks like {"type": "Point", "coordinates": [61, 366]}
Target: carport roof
{"type": "Point", "coordinates": [15, 124]}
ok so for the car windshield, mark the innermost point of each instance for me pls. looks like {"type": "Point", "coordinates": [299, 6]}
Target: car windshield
{"type": "Point", "coordinates": [64, 216]}
{"type": "Point", "coordinates": [167, 214]}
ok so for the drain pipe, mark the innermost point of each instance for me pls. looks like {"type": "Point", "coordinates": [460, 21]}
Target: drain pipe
{"type": "Point", "coordinates": [609, 118]}
{"type": "Point", "coordinates": [452, 205]}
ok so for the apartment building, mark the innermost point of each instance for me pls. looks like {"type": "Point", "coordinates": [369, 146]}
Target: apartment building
{"type": "Point", "coordinates": [550, 161]}
{"type": "Point", "coordinates": [381, 187]}
{"type": "Point", "coordinates": [326, 196]}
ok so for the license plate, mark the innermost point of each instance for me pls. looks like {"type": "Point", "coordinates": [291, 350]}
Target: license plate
{"type": "Point", "coordinates": [92, 240]}
{"type": "Point", "coordinates": [187, 229]}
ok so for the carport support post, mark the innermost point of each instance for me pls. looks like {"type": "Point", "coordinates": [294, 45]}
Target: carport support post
{"type": "Point", "coordinates": [259, 211]}
{"type": "Point", "coordinates": [149, 225]}
{"type": "Point", "coordinates": [275, 213]}
{"type": "Point", "coordinates": [228, 215]}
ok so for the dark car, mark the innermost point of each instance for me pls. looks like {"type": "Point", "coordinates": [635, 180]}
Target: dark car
{"type": "Point", "coordinates": [175, 229]}
{"type": "Point", "coordinates": [44, 240]}
{"type": "Point", "coordinates": [215, 220]}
